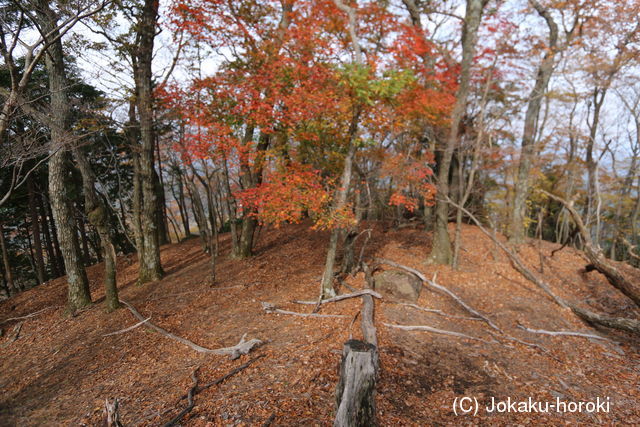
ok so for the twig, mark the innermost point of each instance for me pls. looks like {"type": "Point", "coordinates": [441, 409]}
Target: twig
{"type": "Point", "coordinates": [441, 288]}
{"type": "Point", "coordinates": [243, 347]}
{"type": "Point", "coordinates": [436, 331]}
{"type": "Point", "coordinates": [563, 333]}
{"type": "Point", "coordinates": [270, 308]}
{"type": "Point", "coordinates": [28, 315]}
{"type": "Point", "coordinates": [190, 406]}
{"type": "Point", "coordinates": [525, 343]}
{"type": "Point", "coordinates": [227, 375]}
{"type": "Point", "coordinates": [439, 312]}
{"type": "Point", "coordinates": [269, 420]}
{"type": "Point", "coordinates": [122, 331]}
{"type": "Point", "coordinates": [341, 297]}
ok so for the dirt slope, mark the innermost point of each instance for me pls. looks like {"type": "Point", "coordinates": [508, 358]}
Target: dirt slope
{"type": "Point", "coordinates": [60, 369]}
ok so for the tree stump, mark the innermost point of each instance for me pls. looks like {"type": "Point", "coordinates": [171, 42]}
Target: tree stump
{"type": "Point", "coordinates": [355, 394]}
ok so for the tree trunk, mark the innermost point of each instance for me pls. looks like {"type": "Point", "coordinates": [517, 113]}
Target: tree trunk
{"type": "Point", "coordinates": [5, 261]}
{"type": "Point", "coordinates": [355, 394]}
{"type": "Point", "coordinates": [56, 241]}
{"type": "Point", "coordinates": [35, 228]}
{"type": "Point", "coordinates": [98, 216]}
{"type": "Point", "coordinates": [150, 264]}
{"type": "Point", "coordinates": [78, 295]}
{"type": "Point", "coordinates": [86, 257]}
{"type": "Point", "coordinates": [206, 234]}
{"type": "Point", "coordinates": [528, 150]}
{"type": "Point", "coordinates": [441, 249]}
{"type": "Point", "coordinates": [51, 254]}
{"type": "Point", "coordinates": [339, 204]}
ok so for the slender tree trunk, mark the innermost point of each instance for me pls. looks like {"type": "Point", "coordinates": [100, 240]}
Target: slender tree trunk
{"type": "Point", "coordinates": [339, 204]}
{"type": "Point", "coordinates": [441, 249]}
{"type": "Point", "coordinates": [5, 261]}
{"type": "Point", "coordinates": [150, 264]}
{"type": "Point", "coordinates": [98, 216]}
{"type": "Point", "coordinates": [182, 205]}
{"type": "Point", "coordinates": [56, 241]}
{"type": "Point", "coordinates": [52, 257]}
{"type": "Point", "coordinates": [206, 234]}
{"type": "Point", "coordinates": [163, 221]}
{"type": "Point", "coordinates": [78, 295]}
{"type": "Point", "coordinates": [35, 228]}
{"type": "Point", "coordinates": [528, 150]}
{"type": "Point", "coordinates": [82, 229]}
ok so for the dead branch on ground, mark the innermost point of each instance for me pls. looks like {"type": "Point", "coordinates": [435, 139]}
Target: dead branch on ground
{"type": "Point", "coordinates": [562, 333]}
{"type": "Point", "coordinates": [441, 288]}
{"type": "Point", "coordinates": [342, 297]}
{"type": "Point", "coordinates": [122, 331]}
{"type": "Point", "coordinates": [436, 331]}
{"type": "Point", "coordinates": [28, 316]}
{"type": "Point", "coordinates": [438, 312]}
{"type": "Point", "coordinates": [625, 324]}
{"type": "Point", "coordinates": [243, 347]}
{"type": "Point", "coordinates": [271, 308]}
{"type": "Point", "coordinates": [596, 257]}
{"type": "Point", "coordinates": [190, 399]}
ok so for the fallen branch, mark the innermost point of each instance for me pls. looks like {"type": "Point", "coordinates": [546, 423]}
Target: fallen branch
{"type": "Point", "coordinates": [28, 315]}
{"type": "Point", "coordinates": [563, 333]}
{"type": "Point", "coordinates": [269, 420]}
{"type": "Point", "coordinates": [596, 257]}
{"type": "Point", "coordinates": [441, 288]}
{"type": "Point", "coordinates": [270, 308]}
{"type": "Point", "coordinates": [191, 401]}
{"type": "Point", "coordinates": [342, 297]}
{"type": "Point", "coordinates": [439, 312]}
{"type": "Point", "coordinates": [225, 376]}
{"type": "Point", "coordinates": [525, 343]}
{"type": "Point", "coordinates": [630, 325]}
{"type": "Point", "coordinates": [630, 249]}
{"type": "Point", "coordinates": [243, 347]}
{"type": "Point", "coordinates": [436, 331]}
{"type": "Point", "coordinates": [122, 331]}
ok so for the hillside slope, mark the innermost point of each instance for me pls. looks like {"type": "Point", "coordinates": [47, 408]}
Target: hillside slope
{"type": "Point", "coordinates": [60, 369]}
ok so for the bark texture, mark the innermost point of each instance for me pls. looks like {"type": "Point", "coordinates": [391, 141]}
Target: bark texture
{"type": "Point", "coordinates": [78, 291]}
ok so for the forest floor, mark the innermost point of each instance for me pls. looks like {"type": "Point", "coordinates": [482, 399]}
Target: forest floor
{"type": "Point", "coordinates": [60, 369]}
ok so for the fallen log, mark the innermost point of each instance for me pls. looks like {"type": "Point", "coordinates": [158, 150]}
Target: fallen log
{"type": "Point", "coordinates": [596, 257]}
{"type": "Point", "coordinates": [355, 393]}
{"type": "Point", "coordinates": [625, 324]}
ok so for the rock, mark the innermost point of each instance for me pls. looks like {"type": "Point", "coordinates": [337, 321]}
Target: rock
{"type": "Point", "coordinates": [399, 284]}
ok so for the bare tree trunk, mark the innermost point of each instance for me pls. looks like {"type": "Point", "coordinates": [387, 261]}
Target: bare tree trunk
{"type": "Point", "coordinates": [150, 264]}
{"type": "Point", "coordinates": [207, 236]}
{"type": "Point", "coordinates": [5, 261]}
{"type": "Point", "coordinates": [98, 215]}
{"type": "Point", "coordinates": [528, 150]}
{"type": "Point", "coordinates": [78, 295]}
{"type": "Point", "coordinates": [51, 254]}
{"type": "Point", "coordinates": [35, 228]}
{"type": "Point", "coordinates": [80, 225]}
{"type": "Point", "coordinates": [441, 249]}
